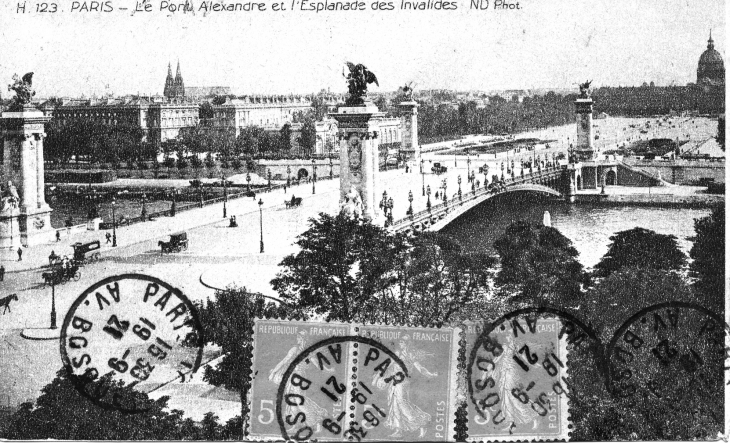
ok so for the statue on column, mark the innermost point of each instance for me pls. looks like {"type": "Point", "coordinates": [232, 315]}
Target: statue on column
{"type": "Point", "coordinates": [24, 92]}
{"type": "Point", "coordinates": [353, 204]}
{"type": "Point", "coordinates": [584, 89]}
{"type": "Point", "coordinates": [10, 197]}
{"type": "Point", "coordinates": [408, 92]}
{"type": "Point", "coordinates": [357, 83]}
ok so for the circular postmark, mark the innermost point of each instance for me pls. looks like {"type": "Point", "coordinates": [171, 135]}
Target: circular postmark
{"type": "Point", "coordinates": [517, 373]}
{"type": "Point", "coordinates": [670, 355]}
{"type": "Point", "coordinates": [338, 389]}
{"type": "Point", "coordinates": [129, 331]}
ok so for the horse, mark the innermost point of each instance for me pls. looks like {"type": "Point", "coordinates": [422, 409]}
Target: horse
{"type": "Point", "coordinates": [5, 302]}
{"type": "Point", "coordinates": [164, 246]}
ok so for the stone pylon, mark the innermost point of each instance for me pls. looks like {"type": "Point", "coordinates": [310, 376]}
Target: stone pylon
{"type": "Point", "coordinates": [22, 134]}
{"type": "Point", "coordinates": [359, 163]}
{"type": "Point", "coordinates": [410, 149]}
{"type": "Point", "coordinates": [584, 122]}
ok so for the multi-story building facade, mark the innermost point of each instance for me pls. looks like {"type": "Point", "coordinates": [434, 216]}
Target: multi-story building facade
{"type": "Point", "coordinates": [159, 120]}
{"type": "Point", "coordinates": [268, 112]}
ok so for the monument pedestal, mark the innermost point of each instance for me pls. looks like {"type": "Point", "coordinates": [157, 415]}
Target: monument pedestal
{"type": "Point", "coordinates": [10, 235]}
{"type": "Point", "coordinates": [22, 166]}
{"type": "Point", "coordinates": [359, 161]}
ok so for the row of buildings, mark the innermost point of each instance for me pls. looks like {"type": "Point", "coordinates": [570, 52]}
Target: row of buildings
{"type": "Point", "coordinates": [162, 118]}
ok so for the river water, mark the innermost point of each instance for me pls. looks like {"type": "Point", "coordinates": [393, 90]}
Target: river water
{"type": "Point", "coordinates": [587, 226]}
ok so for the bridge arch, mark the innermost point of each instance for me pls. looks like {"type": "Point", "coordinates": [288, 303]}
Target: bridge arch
{"type": "Point", "coordinates": [610, 179]}
{"type": "Point", "coordinates": [302, 173]}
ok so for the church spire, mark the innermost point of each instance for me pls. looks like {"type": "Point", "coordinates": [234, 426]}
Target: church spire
{"type": "Point", "coordinates": [169, 91]}
{"type": "Point", "coordinates": [179, 86]}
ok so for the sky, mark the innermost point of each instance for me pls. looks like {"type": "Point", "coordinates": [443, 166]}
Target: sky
{"type": "Point", "coordinates": [544, 44]}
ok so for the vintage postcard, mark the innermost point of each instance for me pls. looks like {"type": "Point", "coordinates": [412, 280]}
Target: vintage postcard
{"type": "Point", "coordinates": [352, 220]}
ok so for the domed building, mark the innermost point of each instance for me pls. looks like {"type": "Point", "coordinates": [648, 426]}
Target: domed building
{"type": "Point", "coordinates": [711, 69]}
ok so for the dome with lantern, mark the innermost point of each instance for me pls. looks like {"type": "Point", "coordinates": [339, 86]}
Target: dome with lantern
{"type": "Point", "coordinates": [711, 68]}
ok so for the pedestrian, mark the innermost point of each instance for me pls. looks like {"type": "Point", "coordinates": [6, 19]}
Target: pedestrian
{"type": "Point", "coordinates": [108, 238]}
{"type": "Point", "coordinates": [58, 236]}
{"type": "Point", "coordinates": [20, 254]}
{"type": "Point", "coordinates": [284, 189]}
{"type": "Point", "coordinates": [2, 273]}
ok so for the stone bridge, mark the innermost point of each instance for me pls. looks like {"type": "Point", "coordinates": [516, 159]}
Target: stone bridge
{"type": "Point", "coordinates": [554, 181]}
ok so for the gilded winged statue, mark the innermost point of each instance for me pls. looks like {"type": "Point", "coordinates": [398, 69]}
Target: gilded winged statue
{"type": "Point", "coordinates": [357, 82]}
{"type": "Point", "coordinates": [584, 91]}
{"type": "Point", "coordinates": [24, 92]}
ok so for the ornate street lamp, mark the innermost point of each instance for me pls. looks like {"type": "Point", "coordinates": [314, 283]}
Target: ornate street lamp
{"type": "Point", "coordinates": [443, 185]}
{"type": "Point", "coordinates": [486, 171]}
{"type": "Point", "coordinates": [314, 174]}
{"type": "Point", "coordinates": [468, 167]}
{"type": "Point", "coordinates": [410, 203]}
{"type": "Point", "coordinates": [114, 223]}
{"type": "Point", "coordinates": [390, 210]}
{"type": "Point", "coordinates": [53, 303]}
{"type": "Point", "coordinates": [200, 194]}
{"type": "Point", "coordinates": [384, 206]}
{"type": "Point", "coordinates": [331, 174]}
{"type": "Point", "coordinates": [422, 165]}
{"type": "Point", "coordinates": [144, 207]}
{"type": "Point", "coordinates": [501, 165]}
{"type": "Point", "coordinates": [225, 196]}
{"type": "Point", "coordinates": [423, 182]}
{"type": "Point", "coordinates": [173, 208]}
{"type": "Point", "coordinates": [261, 224]}
{"type": "Point", "coordinates": [268, 174]}
{"type": "Point", "coordinates": [288, 176]}
{"type": "Point", "coordinates": [428, 201]}
{"type": "Point", "coordinates": [458, 179]}
{"type": "Point", "coordinates": [248, 181]}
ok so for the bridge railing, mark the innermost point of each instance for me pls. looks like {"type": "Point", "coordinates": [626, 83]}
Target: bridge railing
{"type": "Point", "coordinates": [439, 208]}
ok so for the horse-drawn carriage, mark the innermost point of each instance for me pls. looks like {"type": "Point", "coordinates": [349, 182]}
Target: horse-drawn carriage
{"type": "Point", "coordinates": [293, 203]}
{"type": "Point", "coordinates": [82, 249]}
{"type": "Point", "coordinates": [178, 242]}
{"type": "Point", "coordinates": [62, 272]}
{"type": "Point", "coordinates": [438, 169]}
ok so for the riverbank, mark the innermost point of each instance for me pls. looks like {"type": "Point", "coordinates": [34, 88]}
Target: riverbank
{"type": "Point", "coordinates": [680, 197]}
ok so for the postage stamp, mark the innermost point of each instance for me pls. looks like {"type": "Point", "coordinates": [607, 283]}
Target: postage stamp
{"type": "Point", "coordinates": [137, 328]}
{"type": "Point", "coordinates": [299, 375]}
{"type": "Point", "coordinates": [421, 407]}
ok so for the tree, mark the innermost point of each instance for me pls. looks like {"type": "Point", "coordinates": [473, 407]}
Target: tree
{"type": "Point", "coordinates": [228, 322]}
{"type": "Point", "coordinates": [62, 413]}
{"type": "Point", "coordinates": [641, 249]}
{"type": "Point", "coordinates": [308, 138]}
{"type": "Point", "coordinates": [350, 270]}
{"type": "Point", "coordinates": [708, 253]}
{"type": "Point", "coordinates": [339, 267]}
{"type": "Point", "coordinates": [285, 139]}
{"type": "Point", "coordinates": [599, 416]}
{"type": "Point", "coordinates": [538, 265]}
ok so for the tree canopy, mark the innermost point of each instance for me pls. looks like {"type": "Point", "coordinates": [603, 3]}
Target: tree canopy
{"type": "Point", "coordinates": [62, 413]}
{"type": "Point", "coordinates": [708, 253]}
{"type": "Point", "coordinates": [538, 264]}
{"type": "Point", "coordinates": [641, 248]}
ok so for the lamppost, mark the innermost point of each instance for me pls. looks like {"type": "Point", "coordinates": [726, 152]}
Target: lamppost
{"type": "Point", "coordinates": [288, 176]}
{"type": "Point", "coordinates": [114, 223]}
{"type": "Point", "coordinates": [248, 181]}
{"type": "Point", "coordinates": [144, 207]}
{"type": "Point", "coordinates": [423, 183]}
{"type": "Point", "coordinates": [314, 174]}
{"type": "Point", "coordinates": [225, 196]}
{"type": "Point", "coordinates": [458, 179]}
{"type": "Point", "coordinates": [200, 195]}
{"type": "Point", "coordinates": [443, 185]}
{"type": "Point", "coordinates": [422, 165]}
{"type": "Point", "coordinates": [501, 165]}
{"type": "Point", "coordinates": [468, 167]}
{"type": "Point", "coordinates": [428, 198]}
{"type": "Point", "coordinates": [261, 224]}
{"type": "Point", "coordinates": [384, 206]}
{"type": "Point", "coordinates": [53, 304]}
{"type": "Point", "coordinates": [390, 210]}
{"type": "Point", "coordinates": [454, 160]}
{"type": "Point", "coordinates": [486, 171]}
{"type": "Point", "coordinates": [173, 206]}
{"type": "Point", "coordinates": [268, 175]}
{"type": "Point", "coordinates": [331, 174]}
{"type": "Point", "coordinates": [410, 203]}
